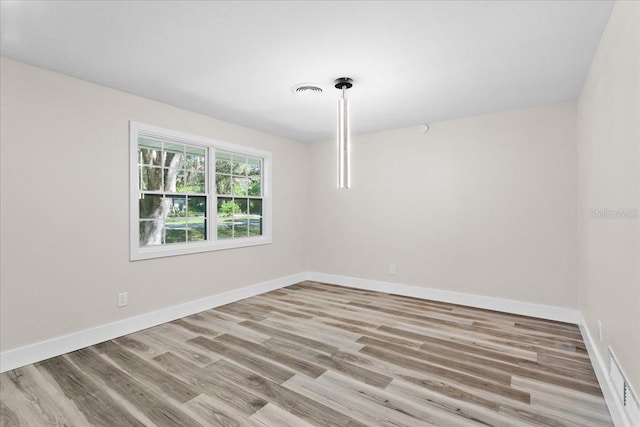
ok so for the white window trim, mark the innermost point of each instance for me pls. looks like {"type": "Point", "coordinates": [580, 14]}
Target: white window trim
{"type": "Point", "coordinates": [213, 244]}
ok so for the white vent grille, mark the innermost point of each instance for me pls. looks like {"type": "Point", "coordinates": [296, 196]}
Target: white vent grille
{"type": "Point", "coordinates": [617, 379]}
{"type": "Point", "coordinates": [631, 405]}
{"type": "Point", "coordinates": [306, 89]}
{"type": "Point", "coordinates": [623, 391]}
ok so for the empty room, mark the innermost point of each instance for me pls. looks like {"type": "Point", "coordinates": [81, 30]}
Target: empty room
{"type": "Point", "coordinates": [320, 213]}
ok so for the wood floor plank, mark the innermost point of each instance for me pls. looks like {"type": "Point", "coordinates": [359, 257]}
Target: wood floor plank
{"type": "Point", "coordinates": [27, 390]}
{"type": "Point", "coordinates": [494, 370]}
{"type": "Point", "coordinates": [328, 361]}
{"type": "Point", "coordinates": [7, 416]}
{"type": "Point", "coordinates": [374, 333]}
{"type": "Point", "coordinates": [96, 405]}
{"type": "Point", "coordinates": [211, 383]}
{"type": "Point", "coordinates": [299, 365]}
{"type": "Point", "coordinates": [322, 355]}
{"type": "Point", "coordinates": [355, 405]}
{"type": "Point", "coordinates": [274, 332]}
{"type": "Point", "coordinates": [149, 373]}
{"type": "Point", "coordinates": [330, 398]}
{"type": "Point", "coordinates": [465, 413]}
{"type": "Point", "coordinates": [298, 405]}
{"type": "Point", "coordinates": [473, 349]}
{"type": "Point", "coordinates": [471, 343]}
{"type": "Point", "coordinates": [476, 369]}
{"type": "Point", "coordinates": [581, 407]}
{"type": "Point", "coordinates": [145, 400]}
{"type": "Point", "coordinates": [223, 324]}
{"type": "Point", "coordinates": [200, 330]}
{"type": "Point", "coordinates": [445, 377]}
{"type": "Point", "coordinates": [531, 417]}
{"type": "Point", "coordinates": [273, 415]}
{"type": "Point", "coordinates": [257, 364]}
{"type": "Point", "coordinates": [157, 344]}
{"type": "Point", "coordinates": [215, 412]}
{"type": "Point", "coordinates": [315, 333]}
{"type": "Point", "coordinates": [321, 331]}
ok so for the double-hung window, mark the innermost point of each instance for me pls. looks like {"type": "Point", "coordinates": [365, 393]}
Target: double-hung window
{"type": "Point", "coordinates": [194, 194]}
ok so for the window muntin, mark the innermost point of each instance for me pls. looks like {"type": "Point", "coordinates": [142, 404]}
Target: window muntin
{"type": "Point", "coordinates": [193, 194]}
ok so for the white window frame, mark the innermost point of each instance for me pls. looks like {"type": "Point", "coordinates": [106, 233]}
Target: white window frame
{"type": "Point", "coordinates": [213, 243]}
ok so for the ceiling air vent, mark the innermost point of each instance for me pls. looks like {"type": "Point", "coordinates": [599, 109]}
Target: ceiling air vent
{"type": "Point", "coordinates": [307, 89]}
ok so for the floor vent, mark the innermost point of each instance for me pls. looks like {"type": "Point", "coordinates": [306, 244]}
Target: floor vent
{"type": "Point", "coordinates": [623, 391]}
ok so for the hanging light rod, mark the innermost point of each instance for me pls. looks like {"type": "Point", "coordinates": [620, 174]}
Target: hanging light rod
{"type": "Point", "coordinates": [343, 83]}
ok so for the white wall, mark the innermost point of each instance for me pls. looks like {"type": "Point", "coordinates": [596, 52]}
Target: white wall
{"type": "Point", "coordinates": [483, 205]}
{"type": "Point", "coordinates": [609, 178]}
{"type": "Point", "coordinates": [65, 209]}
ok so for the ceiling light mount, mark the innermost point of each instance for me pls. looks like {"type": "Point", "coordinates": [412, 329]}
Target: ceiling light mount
{"type": "Point", "coordinates": [344, 83]}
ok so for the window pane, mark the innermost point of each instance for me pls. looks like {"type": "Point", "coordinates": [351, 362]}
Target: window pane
{"type": "Point", "coordinates": [150, 206]}
{"type": "Point", "coordinates": [151, 232]}
{"type": "Point", "coordinates": [197, 229]}
{"type": "Point", "coordinates": [149, 152]}
{"type": "Point", "coordinates": [176, 224]}
{"type": "Point", "coordinates": [150, 178]}
{"type": "Point", "coordinates": [170, 179]}
{"type": "Point", "coordinates": [193, 183]}
{"type": "Point", "coordinates": [176, 230]}
{"type": "Point", "coordinates": [197, 206]}
{"type": "Point", "coordinates": [240, 186]}
{"type": "Point", "coordinates": [240, 166]}
{"type": "Point", "coordinates": [195, 159]}
{"type": "Point", "coordinates": [227, 206]}
{"type": "Point", "coordinates": [242, 207]}
{"type": "Point", "coordinates": [174, 155]}
{"type": "Point", "coordinates": [225, 229]}
{"type": "Point", "coordinates": [177, 206]}
{"type": "Point", "coordinates": [190, 182]}
{"type": "Point", "coordinates": [240, 228]}
{"type": "Point", "coordinates": [223, 162]}
{"type": "Point", "coordinates": [255, 226]}
{"type": "Point", "coordinates": [255, 207]}
{"type": "Point", "coordinates": [255, 166]}
{"type": "Point", "coordinates": [225, 221]}
{"type": "Point", "coordinates": [223, 185]}
{"type": "Point", "coordinates": [255, 217]}
{"type": "Point", "coordinates": [254, 186]}
{"type": "Point", "coordinates": [174, 148]}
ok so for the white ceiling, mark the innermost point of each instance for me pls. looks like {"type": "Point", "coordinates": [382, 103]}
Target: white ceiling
{"type": "Point", "coordinates": [413, 62]}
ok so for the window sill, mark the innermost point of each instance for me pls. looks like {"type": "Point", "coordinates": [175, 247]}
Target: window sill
{"type": "Point", "coordinates": [138, 254]}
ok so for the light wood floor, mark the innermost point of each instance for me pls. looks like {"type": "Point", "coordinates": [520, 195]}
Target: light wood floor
{"type": "Point", "coordinates": [315, 354]}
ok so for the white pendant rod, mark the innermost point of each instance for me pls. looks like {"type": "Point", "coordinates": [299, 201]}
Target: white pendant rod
{"type": "Point", "coordinates": [344, 178]}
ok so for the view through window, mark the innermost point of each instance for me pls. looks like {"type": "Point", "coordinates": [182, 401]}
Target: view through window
{"type": "Point", "coordinates": [194, 194]}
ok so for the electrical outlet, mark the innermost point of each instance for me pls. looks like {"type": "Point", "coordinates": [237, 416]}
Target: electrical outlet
{"type": "Point", "coordinates": [392, 269]}
{"type": "Point", "coordinates": [123, 299]}
{"type": "Point", "coordinates": [600, 330]}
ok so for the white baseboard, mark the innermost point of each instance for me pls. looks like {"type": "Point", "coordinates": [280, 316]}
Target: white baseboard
{"type": "Point", "coordinates": [561, 314]}
{"type": "Point", "coordinates": [602, 373]}
{"type": "Point", "coordinates": [22, 356]}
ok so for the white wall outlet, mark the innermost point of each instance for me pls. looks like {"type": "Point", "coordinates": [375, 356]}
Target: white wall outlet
{"type": "Point", "coordinates": [392, 269]}
{"type": "Point", "coordinates": [123, 299]}
{"type": "Point", "coordinates": [600, 330]}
